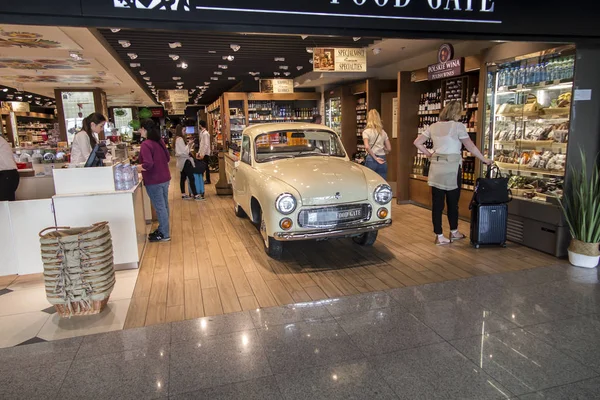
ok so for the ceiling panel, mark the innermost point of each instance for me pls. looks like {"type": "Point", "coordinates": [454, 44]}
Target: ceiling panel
{"type": "Point", "coordinates": [204, 52]}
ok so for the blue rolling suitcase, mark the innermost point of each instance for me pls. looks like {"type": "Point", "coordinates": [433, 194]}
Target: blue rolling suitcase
{"type": "Point", "coordinates": [199, 181]}
{"type": "Point", "coordinates": [489, 224]}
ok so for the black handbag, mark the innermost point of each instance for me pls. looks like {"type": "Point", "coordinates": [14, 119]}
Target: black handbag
{"type": "Point", "coordinates": [493, 189]}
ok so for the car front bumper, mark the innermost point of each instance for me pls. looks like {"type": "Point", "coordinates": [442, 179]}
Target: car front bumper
{"type": "Point", "coordinates": [331, 233]}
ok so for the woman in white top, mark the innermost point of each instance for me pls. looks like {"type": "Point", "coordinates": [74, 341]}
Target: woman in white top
{"type": "Point", "coordinates": [185, 165]}
{"type": "Point", "coordinates": [377, 144]}
{"type": "Point", "coordinates": [9, 176]}
{"type": "Point", "coordinates": [87, 138]}
{"type": "Point", "coordinates": [448, 137]}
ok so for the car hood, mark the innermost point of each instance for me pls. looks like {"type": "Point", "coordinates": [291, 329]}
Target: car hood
{"type": "Point", "coordinates": [319, 179]}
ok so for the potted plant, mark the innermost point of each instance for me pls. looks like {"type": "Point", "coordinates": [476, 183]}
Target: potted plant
{"type": "Point", "coordinates": [581, 207]}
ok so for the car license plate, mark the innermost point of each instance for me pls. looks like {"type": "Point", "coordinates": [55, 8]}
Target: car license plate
{"type": "Point", "coordinates": [349, 214]}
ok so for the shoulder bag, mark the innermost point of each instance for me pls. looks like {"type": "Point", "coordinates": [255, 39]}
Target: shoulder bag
{"type": "Point", "coordinates": [493, 189]}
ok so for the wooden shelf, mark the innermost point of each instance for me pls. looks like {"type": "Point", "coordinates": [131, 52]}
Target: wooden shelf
{"type": "Point", "coordinates": [434, 112]}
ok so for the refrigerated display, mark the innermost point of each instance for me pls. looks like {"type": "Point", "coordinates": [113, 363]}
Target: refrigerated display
{"type": "Point", "coordinates": [333, 111]}
{"type": "Point", "coordinates": [528, 105]}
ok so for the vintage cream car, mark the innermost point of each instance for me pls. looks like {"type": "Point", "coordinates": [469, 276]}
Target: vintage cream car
{"type": "Point", "coordinates": [296, 182]}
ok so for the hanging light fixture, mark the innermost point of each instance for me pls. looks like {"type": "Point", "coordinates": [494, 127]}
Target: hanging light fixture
{"type": "Point", "coordinates": [235, 47]}
{"type": "Point", "coordinates": [142, 73]}
{"type": "Point", "coordinates": [115, 30]}
{"type": "Point", "coordinates": [174, 57]}
{"type": "Point", "coordinates": [125, 43]}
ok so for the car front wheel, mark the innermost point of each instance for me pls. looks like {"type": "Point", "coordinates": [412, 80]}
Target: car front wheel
{"type": "Point", "coordinates": [273, 248]}
{"type": "Point", "coordinates": [366, 239]}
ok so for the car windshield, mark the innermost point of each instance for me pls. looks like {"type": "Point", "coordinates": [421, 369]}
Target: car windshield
{"type": "Point", "coordinates": [297, 143]}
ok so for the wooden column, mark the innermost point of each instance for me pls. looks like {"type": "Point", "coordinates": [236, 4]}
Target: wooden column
{"type": "Point", "coordinates": [408, 120]}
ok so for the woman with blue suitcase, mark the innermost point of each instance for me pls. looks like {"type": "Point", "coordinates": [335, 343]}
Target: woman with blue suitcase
{"type": "Point", "coordinates": [448, 136]}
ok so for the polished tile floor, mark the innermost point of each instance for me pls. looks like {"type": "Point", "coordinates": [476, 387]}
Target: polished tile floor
{"type": "Point", "coordinates": [532, 334]}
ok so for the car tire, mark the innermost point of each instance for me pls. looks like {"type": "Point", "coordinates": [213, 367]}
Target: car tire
{"type": "Point", "coordinates": [273, 248]}
{"type": "Point", "coordinates": [366, 239]}
{"type": "Point", "coordinates": [239, 212]}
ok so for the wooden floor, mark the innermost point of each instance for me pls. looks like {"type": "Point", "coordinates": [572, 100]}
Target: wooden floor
{"type": "Point", "coordinates": [216, 264]}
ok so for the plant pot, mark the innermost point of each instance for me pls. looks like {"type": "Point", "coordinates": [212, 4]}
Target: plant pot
{"type": "Point", "coordinates": [585, 255]}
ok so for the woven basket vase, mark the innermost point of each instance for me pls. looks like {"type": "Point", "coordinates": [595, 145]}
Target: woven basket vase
{"type": "Point", "coordinates": [79, 272]}
{"type": "Point", "coordinates": [587, 249]}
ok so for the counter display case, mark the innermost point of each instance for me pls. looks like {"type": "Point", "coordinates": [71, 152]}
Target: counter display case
{"type": "Point", "coordinates": [528, 110]}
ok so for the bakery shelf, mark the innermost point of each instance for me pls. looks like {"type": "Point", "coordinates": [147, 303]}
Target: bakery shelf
{"type": "Point", "coordinates": [516, 169]}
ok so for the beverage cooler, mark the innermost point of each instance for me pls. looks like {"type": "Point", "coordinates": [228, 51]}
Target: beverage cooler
{"type": "Point", "coordinates": [528, 106]}
{"type": "Point", "coordinates": [333, 111]}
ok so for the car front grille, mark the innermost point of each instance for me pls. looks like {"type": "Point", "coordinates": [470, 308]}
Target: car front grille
{"type": "Point", "coordinates": [334, 216]}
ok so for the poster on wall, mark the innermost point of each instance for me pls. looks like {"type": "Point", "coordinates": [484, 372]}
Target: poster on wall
{"type": "Point", "coordinates": [173, 96]}
{"type": "Point", "coordinates": [277, 86]}
{"type": "Point", "coordinates": [339, 60]}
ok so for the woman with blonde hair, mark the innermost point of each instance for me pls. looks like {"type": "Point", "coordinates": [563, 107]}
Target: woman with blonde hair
{"type": "Point", "coordinates": [377, 144]}
{"type": "Point", "coordinates": [448, 137]}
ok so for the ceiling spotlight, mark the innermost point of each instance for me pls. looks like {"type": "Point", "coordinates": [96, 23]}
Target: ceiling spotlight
{"type": "Point", "coordinates": [212, 52]}
{"type": "Point", "coordinates": [310, 50]}
{"type": "Point", "coordinates": [229, 58]}
{"type": "Point", "coordinates": [299, 67]}
{"type": "Point", "coordinates": [283, 67]}
{"type": "Point", "coordinates": [38, 98]}
{"type": "Point", "coordinates": [207, 83]}
{"type": "Point", "coordinates": [149, 83]}
{"type": "Point", "coordinates": [231, 78]}
{"type": "Point", "coordinates": [214, 78]}
{"type": "Point", "coordinates": [115, 30]}
{"type": "Point", "coordinates": [235, 47]}
{"type": "Point", "coordinates": [356, 39]}
{"type": "Point", "coordinates": [279, 59]}
{"type": "Point", "coordinates": [218, 73]}
{"type": "Point", "coordinates": [176, 78]}
{"type": "Point", "coordinates": [125, 43]}
{"type": "Point", "coordinates": [303, 37]}
{"type": "Point", "coordinates": [174, 57]}
{"type": "Point", "coordinates": [133, 56]}
{"type": "Point", "coordinates": [223, 66]}
{"type": "Point", "coordinates": [135, 65]}
{"type": "Point", "coordinates": [376, 50]}
{"type": "Point", "coordinates": [184, 65]}
{"type": "Point", "coordinates": [276, 73]}
{"type": "Point", "coordinates": [310, 61]}
{"type": "Point", "coordinates": [142, 72]}
{"type": "Point", "coordinates": [256, 78]}
{"type": "Point", "coordinates": [5, 90]}
{"type": "Point", "coordinates": [174, 45]}
{"type": "Point", "coordinates": [146, 78]}
{"type": "Point", "coordinates": [29, 96]}
{"type": "Point", "coordinates": [287, 73]}
{"type": "Point", "coordinates": [75, 55]}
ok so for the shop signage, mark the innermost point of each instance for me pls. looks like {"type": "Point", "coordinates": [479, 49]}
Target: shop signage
{"type": "Point", "coordinates": [173, 96]}
{"type": "Point", "coordinates": [446, 66]}
{"type": "Point", "coordinates": [18, 106]}
{"type": "Point", "coordinates": [277, 86]}
{"type": "Point", "coordinates": [157, 112]}
{"type": "Point", "coordinates": [339, 60]}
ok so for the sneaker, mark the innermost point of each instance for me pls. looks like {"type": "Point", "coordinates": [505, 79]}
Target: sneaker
{"type": "Point", "coordinates": [159, 237]}
{"type": "Point", "coordinates": [153, 233]}
{"type": "Point", "coordinates": [199, 197]}
{"type": "Point", "coordinates": [186, 197]}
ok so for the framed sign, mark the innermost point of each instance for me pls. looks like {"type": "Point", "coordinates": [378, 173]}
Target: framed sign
{"type": "Point", "coordinates": [173, 96]}
{"type": "Point", "coordinates": [277, 86]}
{"type": "Point", "coordinates": [339, 60]}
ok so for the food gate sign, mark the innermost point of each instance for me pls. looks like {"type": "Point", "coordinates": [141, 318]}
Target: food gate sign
{"type": "Point", "coordinates": [446, 66]}
{"type": "Point", "coordinates": [339, 60]}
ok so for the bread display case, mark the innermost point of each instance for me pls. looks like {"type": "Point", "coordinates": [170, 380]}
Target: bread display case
{"type": "Point", "coordinates": [528, 107]}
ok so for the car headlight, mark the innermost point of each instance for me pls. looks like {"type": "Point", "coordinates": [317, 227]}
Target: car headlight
{"type": "Point", "coordinates": [285, 203]}
{"type": "Point", "coordinates": [383, 194]}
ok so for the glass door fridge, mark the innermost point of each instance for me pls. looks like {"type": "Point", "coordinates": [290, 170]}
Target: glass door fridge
{"type": "Point", "coordinates": [333, 111]}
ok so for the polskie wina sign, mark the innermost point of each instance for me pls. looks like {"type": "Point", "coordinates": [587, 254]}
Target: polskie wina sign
{"type": "Point", "coordinates": [446, 69]}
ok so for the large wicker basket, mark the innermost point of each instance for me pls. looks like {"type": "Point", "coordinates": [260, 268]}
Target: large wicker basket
{"type": "Point", "coordinates": [78, 268]}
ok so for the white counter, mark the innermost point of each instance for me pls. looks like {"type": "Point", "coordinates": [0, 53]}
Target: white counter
{"type": "Point", "coordinates": [21, 221]}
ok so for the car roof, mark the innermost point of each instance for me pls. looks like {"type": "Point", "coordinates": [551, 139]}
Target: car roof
{"type": "Point", "coordinates": [259, 129]}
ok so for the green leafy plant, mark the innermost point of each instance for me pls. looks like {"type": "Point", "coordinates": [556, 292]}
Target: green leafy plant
{"type": "Point", "coordinates": [145, 113]}
{"type": "Point", "coordinates": [581, 205]}
{"type": "Point", "coordinates": [135, 124]}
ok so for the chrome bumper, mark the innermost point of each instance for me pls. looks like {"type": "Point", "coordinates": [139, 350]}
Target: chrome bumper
{"type": "Point", "coordinates": [331, 233]}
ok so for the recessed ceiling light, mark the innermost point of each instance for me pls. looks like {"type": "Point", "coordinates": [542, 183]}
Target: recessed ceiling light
{"type": "Point", "coordinates": [356, 39]}
{"type": "Point", "coordinates": [146, 78]}
{"type": "Point", "coordinates": [142, 72]}
{"type": "Point", "coordinates": [133, 56]}
{"type": "Point", "coordinates": [214, 78]}
{"type": "Point", "coordinates": [310, 50]}
{"type": "Point", "coordinates": [283, 67]}
{"type": "Point", "coordinates": [115, 30]}
{"type": "Point", "coordinates": [135, 65]}
{"type": "Point", "coordinates": [212, 52]}
{"type": "Point", "coordinates": [174, 45]}
{"type": "Point", "coordinates": [38, 98]}
{"type": "Point", "coordinates": [287, 73]}
{"type": "Point", "coordinates": [304, 37]}
{"type": "Point", "coordinates": [76, 55]}
{"type": "Point", "coordinates": [176, 78]}
{"type": "Point", "coordinates": [256, 78]}
{"type": "Point", "coordinates": [125, 43]}
{"type": "Point", "coordinates": [310, 61]}
{"type": "Point", "coordinates": [276, 73]}
{"type": "Point", "coordinates": [5, 90]}
{"type": "Point", "coordinates": [235, 47]}
{"type": "Point", "coordinates": [299, 67]}
{"type": "Point", "coordinates": [376, 50]}
{"type": "Point", "coordinates": [174, 57]}
{"type": "Point", "coordinates": [231, 78]}
{"type": "Point", "coordinates": [218, 73]}
{"type": "Point", "coordinates": [223, 66]}
{"type": "Point", "coordinates": [279, 59]}
{"type": "Point", "coordinates": [228, 58]}
{"type": "Point", "coordinates": [148, 83]}
{"type": "Point", "coordinates": [207, 83]}
{"type": "Point", "coordinates": [184, 65]}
